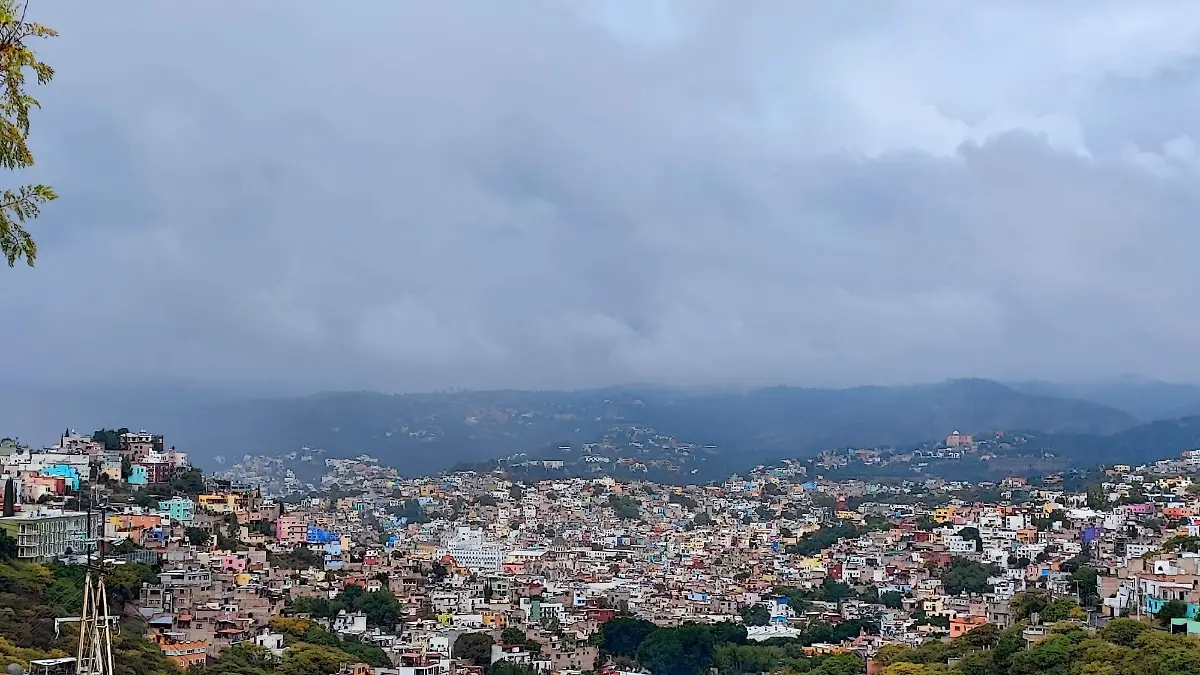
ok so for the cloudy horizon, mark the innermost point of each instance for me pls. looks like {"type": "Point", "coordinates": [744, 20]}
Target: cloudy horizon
{"type": "Point", "coordinates": [417, 196]}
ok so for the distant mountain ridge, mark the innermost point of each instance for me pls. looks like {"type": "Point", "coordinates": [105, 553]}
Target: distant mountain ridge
{"type": "Point", "coordinates": [422, 433]}
{"type": "Point", "coordinates": [1147, 400]}
{"type": "Point", "coordinates": [711, 431]}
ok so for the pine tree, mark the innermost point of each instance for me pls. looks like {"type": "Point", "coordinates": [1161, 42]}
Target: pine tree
{"type": "Point", "coordinates": [10, 498]}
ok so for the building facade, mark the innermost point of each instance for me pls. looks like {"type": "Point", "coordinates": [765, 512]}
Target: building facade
{"type": "Point", "coordinates": [45, 534]}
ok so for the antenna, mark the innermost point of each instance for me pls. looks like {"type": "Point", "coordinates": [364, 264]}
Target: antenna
{"type": "Point", "coordinates": [94, 654]}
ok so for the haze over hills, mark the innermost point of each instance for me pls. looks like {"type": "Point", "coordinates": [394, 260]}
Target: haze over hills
{"type": "Point", "coordinates": [428, 432]}
{"type": "Point", "coordinates": [1145, 399]}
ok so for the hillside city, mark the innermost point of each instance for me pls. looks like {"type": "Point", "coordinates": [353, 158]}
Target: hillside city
{"type": "Point", "coordinates": [365, 571]}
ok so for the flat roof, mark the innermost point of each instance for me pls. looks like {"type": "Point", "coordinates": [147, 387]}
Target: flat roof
{"type": "Point", "coordinates": [44, 513]}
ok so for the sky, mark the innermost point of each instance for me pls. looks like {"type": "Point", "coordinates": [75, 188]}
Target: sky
{"type": "Point", "coordinates": [406, 196]}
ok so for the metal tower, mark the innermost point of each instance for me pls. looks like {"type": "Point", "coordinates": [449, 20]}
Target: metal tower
{"type": "Point", "coordinates": [96, 625]}
{"type": "Point", "coordinates": [94, 656]}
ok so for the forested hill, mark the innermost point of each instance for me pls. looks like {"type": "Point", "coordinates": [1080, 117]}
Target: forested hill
{"type": "Point", "coordinates": [428, 432]}
{"type": "Point", "coordinates": [709, 432]}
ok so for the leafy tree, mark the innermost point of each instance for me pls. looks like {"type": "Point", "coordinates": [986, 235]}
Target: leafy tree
{"type": "Point", "coordinates": [968, 576]}
{"type": "Point", "coordinates": [1085, 579]}
{"type": "Point", "coordinates": [24, 203]}
{"type": "Point", "coordinates": [124, 582]}
{"type": "Point", "coordinates": [1051, 656]}
{"type": "Point", "coordinates": [1026, 603]}
{"type": "Point", "coordinates": [8, 546]}
{"type": "Point", "coordinates": [755, 615]}
{"type": "Point", "coordinates": [1096, 499]}
{"type": "Point", "coordinates": [381, 607]}
{"type": "Point", "coordinates": [126, 468]}
{"type": "Point", "coordinates": [1174, 609]}
{"type": "Point", "coordinates": [506, 667]}
{"type": "Point", "coordinates": [513, 636]}
{"type": "Point", "coordinates": [245, 658]}
{"type": "Point", "coordinates": [702, 519]}
{"type": "Point", "coordinates": [1009, 643]}
{"type": "Point", "coordinates": [926, 523]}
{"type": "Point", "coordinates": [682, 500]}
{"type": "Point", "coordinates": [815, 542]}
{"type": "Point", "coordinates": [832, 590]}
{"type": "Point", "coordinates": [624, 635]}
{"type": "Point", "coordinates": [686, 650]}
{"type": "Point", "coordinates": [625, 506]}
{"type": "Point", "coordinates": [1060, 609]}
{"type": "Point", "coordinates": [839, 664]}
{"type": "Point", "coordinates": [475, 648]}
{"type": "Point", "coordinates": [190, 483]}
{"type": "Point", "coordinates": [411, 510]}
{"type": "Point", "coordinates": [972, 534]}
{"type": "Point", "coordinates": [891, 599]}
{"type": "Point", "coordinates": [299, 558]}
{"type": "Point", "coordinates": [798, 599]}
{"type": "Point", "coordinates": [308, 659]}
{"type": "Point", "coordinates": [980, 637]}
{"type": "Point", "coordinates": [1123, 631]}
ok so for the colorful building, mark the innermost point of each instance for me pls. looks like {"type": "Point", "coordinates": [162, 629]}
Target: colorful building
{"type": "Point", "coordinates": [179, 509]}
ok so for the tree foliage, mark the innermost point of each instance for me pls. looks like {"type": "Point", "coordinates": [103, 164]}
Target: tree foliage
{"type": "Point", "coordinates": [381, 607]}
{"type": "Point", "coordinates": [1173, 609]}
{"type": "Point", "coordinates": [755, 615]}
{"type": "Point", "coordinates": [475, 648]}
{"type": "Point", "coordinates": [17, 59]}
{"type": "Point", "coordinates": [1122, 647]}
{"type": "Point", "coordinates": [625, 506]}
{"type": "Point", "coordinates": [967, 576]}
{"type": "Point", "coordinates": [32, 594]}
{"type": "Point", "coordinates": [623, 635]}
{"type": "Point", "coordinates": [304, 633]}
{"type": "Point", "coordinates": [891, 599]}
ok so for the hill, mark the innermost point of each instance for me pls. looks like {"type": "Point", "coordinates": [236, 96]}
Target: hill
{"type": "Point", "coordinates": [1144, 399]}
{"type": "Point", "coordinates": [709, 432]}
{"type": "Point", "coordinates": [713, 432]}
{"type": "Point", "coordinates": [1143, 443]}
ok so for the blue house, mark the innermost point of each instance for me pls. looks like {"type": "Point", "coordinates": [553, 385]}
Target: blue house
{"type": "Point", "coordinates": [138, 475]}
{"type": "Point", "coordinates": [68, 473]}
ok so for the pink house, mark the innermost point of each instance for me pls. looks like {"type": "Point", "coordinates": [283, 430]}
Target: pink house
{"type": "Point", "coordinates": [233, 563]}
{"type": "Point", "coordinates": [291, 529]}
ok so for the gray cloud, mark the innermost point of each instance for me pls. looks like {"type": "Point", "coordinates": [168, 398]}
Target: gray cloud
{"type": "Point", "coordinates": [403, 195]}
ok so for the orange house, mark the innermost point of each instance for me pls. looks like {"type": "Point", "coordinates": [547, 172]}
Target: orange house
{"type": "Point", "coordinates": [1177, 512]}
{"type": "Point", "coordinates": [1028, 535]}
{"type": "Point", "coordinates": [961, 625]}
{"type": "Point", "coordinates": [183, 652]}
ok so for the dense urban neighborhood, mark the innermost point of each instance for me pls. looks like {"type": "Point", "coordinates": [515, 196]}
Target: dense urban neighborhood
{"type": "Point", "coordinates": [365, 571]}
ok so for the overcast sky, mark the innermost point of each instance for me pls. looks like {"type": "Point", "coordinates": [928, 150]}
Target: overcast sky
{"type": "Point", "coordinates": [406, 196]}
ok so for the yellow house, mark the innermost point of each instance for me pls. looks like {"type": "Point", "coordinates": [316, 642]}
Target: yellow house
{"type": "Point", "coordinates": [221, 504]}
{"type": "Point", "coordinates": [494, 620]}
{"type": "Point", "coordinates": [944, 514]}
{"type": "Point", "coordinates": [850, 515]}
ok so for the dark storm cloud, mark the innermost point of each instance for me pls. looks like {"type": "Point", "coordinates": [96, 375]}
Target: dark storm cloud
{"type": "Point", "coordinates": [408, 196]}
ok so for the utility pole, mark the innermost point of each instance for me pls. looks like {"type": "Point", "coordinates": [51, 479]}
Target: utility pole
{"type": "Point", "coordinates": [94, 654]}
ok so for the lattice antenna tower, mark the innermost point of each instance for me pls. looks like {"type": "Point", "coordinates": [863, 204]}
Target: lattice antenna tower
{"type": "Point", "coordinates": [94, 655]}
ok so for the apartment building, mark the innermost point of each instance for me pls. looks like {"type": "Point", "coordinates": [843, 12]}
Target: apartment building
{"type": "Point", "coordinates": [45, 534]}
